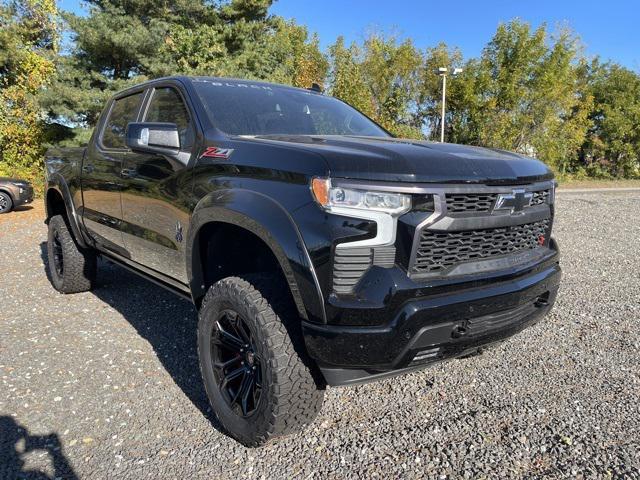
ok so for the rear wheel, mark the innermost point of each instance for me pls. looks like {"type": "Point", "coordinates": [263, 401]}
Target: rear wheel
{"type": "Point", "coordinates": [6, 204]}
{"type": "Point", "coordinates": [256, 373]}
{"type": "Point", "coordinates": [72, 269]}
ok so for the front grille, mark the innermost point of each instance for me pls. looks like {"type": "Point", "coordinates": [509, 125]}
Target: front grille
{"type": "Point", "coordinates": [540, 197]}
{"type": "Point", "coordinates": [470, 202]}
{"type": "Point", "coordinates": [438, 251]}
{"type": "Point", "coordinates": [483, 202]}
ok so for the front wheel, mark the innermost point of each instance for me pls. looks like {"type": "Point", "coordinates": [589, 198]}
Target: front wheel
{"type": "Point", "coordinates": [255, 371]}
{"type": "Point", "coordinates": [72, 269]}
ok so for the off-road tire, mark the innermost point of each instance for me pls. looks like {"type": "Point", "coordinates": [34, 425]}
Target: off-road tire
{"type": "Point", "coordinates": [292, 393]}
{"type": "Point", "coordinates": [79, 265]}
{"type": "Point", "coordinates": [6, 204]}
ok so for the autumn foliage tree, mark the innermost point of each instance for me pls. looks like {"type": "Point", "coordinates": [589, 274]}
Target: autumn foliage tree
{"type": "Point", "coordinates": [28, 42]}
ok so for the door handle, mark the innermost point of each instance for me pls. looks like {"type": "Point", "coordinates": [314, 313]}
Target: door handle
{"type": "Point", "coordinates": [88, 168]}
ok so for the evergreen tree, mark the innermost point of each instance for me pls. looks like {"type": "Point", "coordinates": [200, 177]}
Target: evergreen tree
{"type": "Point", "coordinates": [123, 42]}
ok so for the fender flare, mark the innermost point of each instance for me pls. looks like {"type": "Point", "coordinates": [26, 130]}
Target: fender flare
{"type": "Point", "coordinates": [269, 221]}
{"type": "Point", "coordinates": [57, 182]}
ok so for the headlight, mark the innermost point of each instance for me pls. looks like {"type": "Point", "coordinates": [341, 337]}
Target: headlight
{"type": "Point", "coordinates": [384, 208]}
{"type": "Point", "coordinates": [20, 184]}
{"type": "Point", "coordinates": [330, 197]}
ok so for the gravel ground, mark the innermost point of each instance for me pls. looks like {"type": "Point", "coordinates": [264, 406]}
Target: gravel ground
{"type": "Point", "coordinates": [105, 384]}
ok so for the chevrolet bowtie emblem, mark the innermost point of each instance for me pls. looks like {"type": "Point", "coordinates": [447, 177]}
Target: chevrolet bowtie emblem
{"type": "Point", "coordinates": [515, 202]}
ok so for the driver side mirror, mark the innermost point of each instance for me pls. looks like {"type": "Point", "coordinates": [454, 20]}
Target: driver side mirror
{"type": "Point", "coordinates": [153, 137]}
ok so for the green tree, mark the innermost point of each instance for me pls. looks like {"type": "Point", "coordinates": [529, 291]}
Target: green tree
{"type": "Point", "coordinates": [428, 112]}
{"type": "Point", "coordinates": [114, 46]}
{"type": "Point", "coordinates": [526, 93]}
{"type": "Point", "coordinates": [122, 42]}
{"type": "Point", "coordinates": [279, 50]}
{"type": "Point", "coordinates": [391, 70]}
{"type": "Point", "coordinates": [295, 56]}
{"type": "Point", "coordinates": [530, 91]}
{"type": "Point", "coordinates": [28, 40]}
{"type": "Point", "coordinates": [612, 147]}
{"type": "Point", "coordinates": [381, 79]}
{"type": "Point", "coordinates": [347, 79]}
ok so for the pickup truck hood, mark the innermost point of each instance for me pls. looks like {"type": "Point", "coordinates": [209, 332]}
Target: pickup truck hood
{"type": "Point", "coordinates": [401, 160]}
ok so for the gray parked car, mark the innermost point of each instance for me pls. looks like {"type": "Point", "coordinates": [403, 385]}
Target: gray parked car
{"type": "Point", "coordinates": [13, 193]}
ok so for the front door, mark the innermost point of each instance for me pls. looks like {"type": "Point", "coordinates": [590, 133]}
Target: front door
{"type": "Point", "coordinates": [155, 209]}
{"type": "Point", "coordinates": [102, 173]}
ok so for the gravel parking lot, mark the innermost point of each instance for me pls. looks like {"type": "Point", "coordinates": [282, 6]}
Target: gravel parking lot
{"type": "Point", "coordinates": [106, 384]}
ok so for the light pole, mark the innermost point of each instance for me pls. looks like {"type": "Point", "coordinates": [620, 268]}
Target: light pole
{"type": "Point", "coordinates": [442, 71]}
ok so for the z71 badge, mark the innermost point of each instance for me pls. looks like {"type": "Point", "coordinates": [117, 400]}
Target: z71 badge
{"type": "Point", "coordinates": [215, 152]}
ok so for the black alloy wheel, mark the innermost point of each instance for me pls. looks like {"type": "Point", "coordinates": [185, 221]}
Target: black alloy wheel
{"type": "Point", "coordinates": [58, 255]}
{"type": "Point", "coordinates": [237, 367]}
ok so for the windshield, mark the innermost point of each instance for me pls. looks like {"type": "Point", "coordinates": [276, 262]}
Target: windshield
{"type": "Point", "coordinates": [239, 108]}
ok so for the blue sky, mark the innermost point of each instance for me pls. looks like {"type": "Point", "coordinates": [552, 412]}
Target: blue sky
{"type": "Point", "coordinates": [610, 28]}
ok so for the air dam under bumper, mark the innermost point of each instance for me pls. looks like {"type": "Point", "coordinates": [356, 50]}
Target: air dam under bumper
{"type": "Point", "coordinates": [432, 329]}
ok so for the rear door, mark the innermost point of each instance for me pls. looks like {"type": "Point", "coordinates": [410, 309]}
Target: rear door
{"type": "Point", "coordinates": [102, 173]}
{"type": "Point", "coordinates": [157, 190]}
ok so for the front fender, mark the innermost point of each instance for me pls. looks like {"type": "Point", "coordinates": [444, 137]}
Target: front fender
{"type": "Point", "coordinates": [269, 221]}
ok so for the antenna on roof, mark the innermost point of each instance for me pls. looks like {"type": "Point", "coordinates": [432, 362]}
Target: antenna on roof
{"type": "Point", "coordinates": [315, 88]}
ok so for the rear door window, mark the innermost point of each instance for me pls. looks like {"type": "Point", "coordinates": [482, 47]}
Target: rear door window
{"type": "Point", "coordinates": [123, 112]}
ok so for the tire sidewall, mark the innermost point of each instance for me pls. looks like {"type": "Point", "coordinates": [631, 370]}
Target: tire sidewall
{"type": "Point", "coordinates": [245, 429]}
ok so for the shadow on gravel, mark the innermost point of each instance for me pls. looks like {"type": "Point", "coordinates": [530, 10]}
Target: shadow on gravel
{"type": "Point", "coordinates": [15, 441]}
{"type": "Point", "coordinates": [22, 208]}
{"type": "Point", "coordinates": [166, 321]}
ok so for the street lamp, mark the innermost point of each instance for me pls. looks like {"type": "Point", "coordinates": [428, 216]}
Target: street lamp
{"type": "Point", "coordinates": [442, 71]}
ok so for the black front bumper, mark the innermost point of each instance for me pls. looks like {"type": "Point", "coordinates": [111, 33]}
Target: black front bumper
{"type": "Point", "coordinates": [433, 328]}
{"type": "Point", "coordinates": [24, 197]}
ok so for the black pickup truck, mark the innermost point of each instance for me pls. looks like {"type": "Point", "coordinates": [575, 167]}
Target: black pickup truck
{"type": "Point", "coordinates": [318, 249]}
